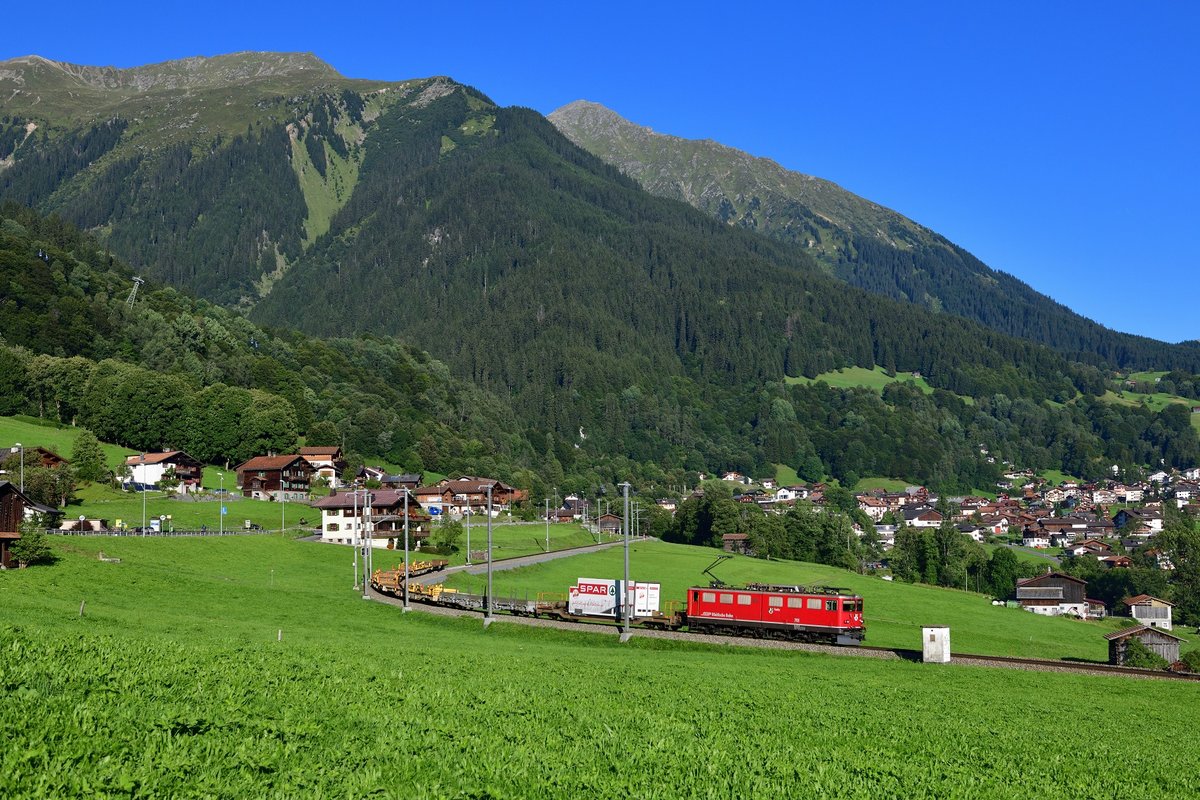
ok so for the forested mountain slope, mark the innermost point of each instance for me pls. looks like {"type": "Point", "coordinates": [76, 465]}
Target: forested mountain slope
{"type": "Point", "coordinates": [589, 330]}
{"type": "Point", "coordinates": [859, 241]}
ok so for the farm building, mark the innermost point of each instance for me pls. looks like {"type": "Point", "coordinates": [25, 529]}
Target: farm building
{"type": "Point", "coordinates": [609, 523]}
{"type": "Point", "coordinates": [12, 513]}
{"type": "Point", "coordinates": [1053, 594]}
{"type": "Point", "coordinates": [1150, 611]}
{"type": "Point", "coordinates": [737, 543]}
{"type": "Point", "coordinates": [1157, 641]}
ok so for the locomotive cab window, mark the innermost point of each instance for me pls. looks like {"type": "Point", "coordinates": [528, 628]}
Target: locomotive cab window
{"type": "Point", "coordinates": [831, 605]}
{"type": "Point", "coordinates": [710, 597]}
{"type": "Point", "coordinates": [775, 602]}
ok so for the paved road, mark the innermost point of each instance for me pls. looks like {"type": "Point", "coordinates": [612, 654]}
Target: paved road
{"type": "Point", "coordinates": [514, 563]}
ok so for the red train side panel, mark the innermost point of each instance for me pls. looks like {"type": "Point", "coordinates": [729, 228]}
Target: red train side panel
{"type": "Point", "coordinates": [787, 611]}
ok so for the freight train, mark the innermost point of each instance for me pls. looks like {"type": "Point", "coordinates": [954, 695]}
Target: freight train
{"type": "Point", "coordinates": [811, 614]}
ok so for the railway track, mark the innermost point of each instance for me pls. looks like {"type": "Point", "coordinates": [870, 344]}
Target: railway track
{"type": "Point", "coordinates": [864, 651]}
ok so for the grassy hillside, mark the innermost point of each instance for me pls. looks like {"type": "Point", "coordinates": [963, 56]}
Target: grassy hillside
{"type": "Point", "coordinates": [249, 667]}
{"type": "Point", "coordinates": [875, 379]}
{"type": "Point", "coordinates": [60, 439]}
{"type": "Point", "coordinates": [895, 612]}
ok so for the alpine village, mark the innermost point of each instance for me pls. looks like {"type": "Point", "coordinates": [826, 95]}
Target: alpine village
{"type": "Point", "coordinates": [740, 470]}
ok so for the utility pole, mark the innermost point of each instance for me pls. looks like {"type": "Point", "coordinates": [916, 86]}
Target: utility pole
{"type": "Point", "coordinates": [468, 530]}
{"type": "Point", "coordinates": [547, 524]}
{"type": "Point", "coordinates": [487, 616]}
{"type": "Point", "coordinates": [405, 608]}
{"type": "Point", "coordinates": [141, 460]}
{"type": "Point", "coordinates": [366, 558]}
{"type": "Point", "coordinates": [221, 505]}
{"type": "Point", "coordinates": [625, 613]}
{"type": "Point", "coordinates": [355, 530]}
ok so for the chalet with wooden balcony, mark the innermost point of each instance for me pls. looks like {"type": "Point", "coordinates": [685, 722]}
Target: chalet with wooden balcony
{"type": "Point", "coordinates": [327, 463]}
{"type": "Point", "coordinates": [275, 477]}
{"type": "Point", "coordinates": [468, 495]}
{"type": "Point", "coordinates": [378, 514]}
{"type": "Point", "coordinates": [147, 470]}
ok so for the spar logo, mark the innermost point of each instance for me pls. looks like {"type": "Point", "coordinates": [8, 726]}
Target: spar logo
{"type": "Point", "coordinates": [603, 589]}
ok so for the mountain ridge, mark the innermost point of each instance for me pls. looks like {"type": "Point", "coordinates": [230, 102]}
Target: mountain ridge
{"type": "Point", "coordinates": [860, 241]}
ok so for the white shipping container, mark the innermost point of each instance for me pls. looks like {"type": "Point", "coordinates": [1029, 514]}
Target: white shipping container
{"type": "Point", "coordinates": [601, 597]}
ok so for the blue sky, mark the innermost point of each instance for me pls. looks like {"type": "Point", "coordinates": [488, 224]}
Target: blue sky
{"type": "Point", "coordinates": [1056, 141]}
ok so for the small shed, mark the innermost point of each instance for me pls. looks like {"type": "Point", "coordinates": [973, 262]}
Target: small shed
{"type": "Point", "coordinates": [1157, 641]}
{"type": "Point", "coordinates": [609, 523]}
{"type": "Point", "coordinates": [737, 543]}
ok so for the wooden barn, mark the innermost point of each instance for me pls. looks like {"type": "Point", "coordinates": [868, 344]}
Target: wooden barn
{"type": "Point", "coordinates": [1156, 640]}
{"type": "Point", "coordinates": [12, 514]}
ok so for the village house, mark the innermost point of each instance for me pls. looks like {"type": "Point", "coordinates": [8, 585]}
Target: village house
{"type": "Point", "coordinates": [666, 504]}
{"type": "Point", "coordinates": [1157, 641]}
{"type": "Point", "coordinates": [786, 493]}
{"type": "Point", "coordinates": [922, 517]}
{"type": "Point", "coordinates": [1053, 594]}
{"type": "Point", "coordinates": [378, 514]}
{"type": "Point", "coordinates": [1092, 547]}
{"type": "Point", "coordinates": [45, 458]}
{"type": "Point", "coordinates": [468, 495]}
{"type": "Point", "coordinates": [1129, 494]}
{"type": "Point", "coordinates": [887, 536]}
{"type": "Point", "coordinates": [284, 478]}
{"type": "Point", "coordinates": [976, 532]}
{"type": "Point", "coordinates": [12, 513]}
{"type": "Point", "coordinates": [1150, 611]}
{"type": "Point", "coordinates": [736, 477]}
{"type": "Point", "coordinates": [1035, 537]}
{"type": "Point", "coordinates": [1104, 497]}
{"type": "Point", "coordinates": [1096, 609]}
{"type": "Point", "coordinates": [1116, 562]}
{"type": "Point", "coordinates": [405, 480]}
{"type": "Point", "coordinates": [327, 463]}
{"type": "Point", "coordinates": [147, 470]}
{"type": "Point", "coordinates": [873, 507]}
{"type": "Point", "coordinates": [1134, 517]}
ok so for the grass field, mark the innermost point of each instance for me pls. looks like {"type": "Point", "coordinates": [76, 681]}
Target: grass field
{"type": "Point", "coordinates": [875, 379]}
{"type": "Point", "coordinates": [59, 439]}
{"type": "Point", "coordinates": [510, 540]}
{"type": "Point", "coordinates": [895, 611]}
{"type": "Point", "coordinates": [875, 482]}
{"type": "Point", "coordinates": [1057, 477]}
{"type": "Point", "coordinates": [104, 502]}
{"type": "Point", "coordinates": [176, 682]}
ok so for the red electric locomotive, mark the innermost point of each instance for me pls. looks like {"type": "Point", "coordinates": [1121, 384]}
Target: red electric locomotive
{"type": "Point", "coordinates": [823, 614]}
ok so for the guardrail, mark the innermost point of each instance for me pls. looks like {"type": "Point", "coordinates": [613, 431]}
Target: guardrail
{"type": "Point", "coordinates": [235, 532]}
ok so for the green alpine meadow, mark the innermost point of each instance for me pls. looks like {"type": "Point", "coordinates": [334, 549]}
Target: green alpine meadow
{"type": "Point", "coordinates": [250, 667]}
